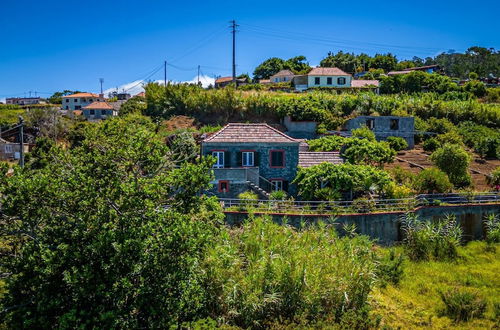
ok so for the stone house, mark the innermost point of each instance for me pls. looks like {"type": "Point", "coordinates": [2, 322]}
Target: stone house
{"type": "Point", "coordinates": [256, 157]}
{"type": "Point", "coordinates": [385, 126]}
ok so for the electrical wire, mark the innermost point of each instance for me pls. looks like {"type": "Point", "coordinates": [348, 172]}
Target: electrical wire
{"type": "Point", "coordinates": [322, 39]}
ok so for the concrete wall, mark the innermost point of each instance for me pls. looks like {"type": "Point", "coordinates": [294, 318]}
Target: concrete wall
{"type": "Point", "coordinates": [300, 129]}
{"type": "Point", "coordinates": [386, 227]}
{"type": "Point", "coordinates": [382, 128]}
{"type": "Point", "coordinates": [262, 160]}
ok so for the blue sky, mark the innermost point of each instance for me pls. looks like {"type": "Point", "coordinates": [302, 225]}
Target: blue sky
{"type": "Point", "coordinates": [54, 45]}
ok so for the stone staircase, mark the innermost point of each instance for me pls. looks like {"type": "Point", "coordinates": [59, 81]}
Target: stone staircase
{"type": "Point", "coordinates": [258, 190]}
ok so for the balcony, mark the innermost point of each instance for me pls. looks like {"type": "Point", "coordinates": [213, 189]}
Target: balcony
{"type": "Point", "coordinates": [238, 174]}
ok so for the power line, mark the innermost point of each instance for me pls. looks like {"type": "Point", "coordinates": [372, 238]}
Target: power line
{"type": "Point", "coordinates": [198, 45]}
{"type": "Point", "coordinates": [306, 36]}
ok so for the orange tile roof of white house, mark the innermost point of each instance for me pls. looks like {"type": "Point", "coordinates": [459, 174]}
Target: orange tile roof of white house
{"type": "Point", "coordinates": [327, 72]}
{"type": "Point", "coordinates": [241, 133]}
{"type": "Point", "coordinates": [82, 95]}
{"type": "Point", "coordinates": [99, 106]}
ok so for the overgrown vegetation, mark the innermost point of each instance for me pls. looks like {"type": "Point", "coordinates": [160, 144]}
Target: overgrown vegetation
{"type": "Point", "coordinates": [218, 106]}
{"type": "Point", "coordinates": [425, 240]}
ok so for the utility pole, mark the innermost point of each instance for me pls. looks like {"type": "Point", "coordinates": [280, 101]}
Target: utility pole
{"type": "Point", "coordinates": [21, 141]}
{"type": "Point", "coordinates": [101, 81]}
{"type": "Point", "coordinates": [198, 74]}
{"type": "Point", "coordinates": [165, 73]}
{"type": "Point", "coordinates": [233, 31]}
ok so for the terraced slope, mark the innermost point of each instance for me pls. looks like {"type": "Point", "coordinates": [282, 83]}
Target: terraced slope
{"type": "Point", "coordinates": [417, 159]}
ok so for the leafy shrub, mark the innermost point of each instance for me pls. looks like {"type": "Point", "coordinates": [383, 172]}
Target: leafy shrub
{"type": "Point", "coordinates": [492, 224]}
{"type": "Point", "coordinates": [494, 178]}
{"type": "Point", "coordinates": [492, 95]}
{"type": "Point", "coordinates": [329, 179]}
{"type": "Point", "coordinates": [248, 200]}
{"type": "Point", "coordinates": [431, 144]}
{"type": "Point", "coordinates": [327, 143]}
{"type": "Point", "coordinates": [401, 175]}
{"type": "Point", "coordinates": [364, 133]}
{"type": "Point", "coordinates": [364, 151]}
{"type": "Point", "coordinates": [484, 140]}
{"type": "Point", "coordinates": [264, 273]}
{"type": "Point", "coordinates": [397, 143]}
{"type": "Point", "coordinates": [390, 268]}
{"type": "Point", "coordinates": [476, 88]}
{"type": "Point", "coordinates": [440, 125]}
{"type": "Point", "coordinates": [426, 240]}
{"type": "Point", "coordinates": [399, 191]}
{"type": "Point", "coordinates": [451, 137]}
{"type": "Point", "coordinates": [278, 195]}
{"type": "Point", "coordinates": [462, 305]}
{"type": "Point", "coordinates": [432, 180]}
{"type": "Point", "coordinates": [454, 161]}
{"type": "Point", "coordinates": [363, 205]}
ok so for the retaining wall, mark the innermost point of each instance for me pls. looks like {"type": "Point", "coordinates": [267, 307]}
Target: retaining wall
{"type": "Point", "coordinates": [386, 227]}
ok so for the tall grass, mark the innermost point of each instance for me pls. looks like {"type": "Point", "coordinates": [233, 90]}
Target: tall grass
{"type": "Point", "coordinates": [492, 224]}
{"type": "Point", "coordinates": [425, 240]}
{"type": "Point", "coordinates": [265, 273]}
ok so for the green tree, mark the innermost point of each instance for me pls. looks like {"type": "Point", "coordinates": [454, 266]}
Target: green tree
{"type": "Point", "coordinates": [268, 68]}
{"type": "Point", "coordinates": [454, 161]}
{"type": "Point", "coordinates": [136, 104]}
{"type": "Point", "coordinates": [56, 98]}
{"type": "Point", "coordinates": [183, 148]}
{"type": "Point", "coordinates": [107, 235]}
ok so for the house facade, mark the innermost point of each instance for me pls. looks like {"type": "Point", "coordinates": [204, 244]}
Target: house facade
{"type": "Point", "coordinates": [282, 76]}
{"type": "Point", "coordinates": [323, 77]}
{"type": "Point", "coordinates": [24, 100]}
{"type": "Point", "coordinates": [98, 110]}
{"type": "Point", "coordinates": [79, 100]}
{"type": "Point", "coordinates": [251, 156]}
{"type": "Point", "coordinates": [257, 157]}
{"type": "Point", "coordinates": [385, 126]}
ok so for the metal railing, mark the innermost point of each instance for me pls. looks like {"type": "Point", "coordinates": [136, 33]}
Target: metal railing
{"type": "Point", "coordinates": [360, 205]}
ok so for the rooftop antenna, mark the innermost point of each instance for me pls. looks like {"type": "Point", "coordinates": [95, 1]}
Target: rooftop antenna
{"type": "Point", "coordinates": [101, 81]}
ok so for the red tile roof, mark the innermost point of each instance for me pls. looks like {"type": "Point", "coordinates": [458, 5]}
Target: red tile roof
{"type": "Point", "coordinates": [241, 133]}
{"type": "Point", "coordinates": [364, 83]}
{"type": "Point", "coordinates": [99, 106]}
{"type": "Point", "coordinates": [311, 158]}
{"type": "Point", "coordinates": [143, 94]}
{"type": "Point", "coordinates": [327, 72]}
{"type": "Point", "coordinates": [82, 95]}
